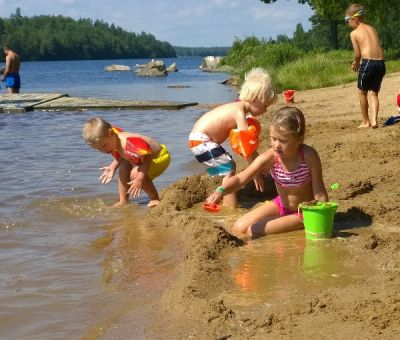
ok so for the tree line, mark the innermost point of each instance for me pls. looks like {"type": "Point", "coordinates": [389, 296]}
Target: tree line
{"type": "Point", "coordinates": [47, 37]}
{"type": "Point", "coordinates": [200, 51]}
{"type": "Point", "coordinates": [330, 31]}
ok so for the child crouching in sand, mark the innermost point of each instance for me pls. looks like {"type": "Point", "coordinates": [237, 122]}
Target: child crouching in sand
{"type": "Point", "coordinates": [215, 126]}
{"type": "Point", "coordinates": [140, 159]}
{"type": "Point", "coordinates": [296, 170]}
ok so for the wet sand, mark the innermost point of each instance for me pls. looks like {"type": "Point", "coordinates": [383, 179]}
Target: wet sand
{"type": "Point", "coordinates": [365, 163]}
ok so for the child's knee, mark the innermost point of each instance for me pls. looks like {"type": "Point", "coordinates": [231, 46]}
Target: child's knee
{"type": "Point", "coordinates": [240, 227]}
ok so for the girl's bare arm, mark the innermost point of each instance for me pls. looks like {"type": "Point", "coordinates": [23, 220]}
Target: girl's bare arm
{"type": "Point", "coordinates": [234, 183]}
{"type": "Point", "coordinates": [317, 181]}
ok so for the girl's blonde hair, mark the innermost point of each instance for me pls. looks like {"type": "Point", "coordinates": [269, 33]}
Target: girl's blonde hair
{"type": "Point", "coordinates": [291, 119]}
{"type": "Point", "coordinates": [94, 129]}
{"type": "Point", "coordinates": [258, 85]}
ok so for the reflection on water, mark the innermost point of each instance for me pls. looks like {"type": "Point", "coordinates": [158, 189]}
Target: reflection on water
{"type": "Point", "coordinates": [56, 272]}
{"type": "Point", "coordinates": [272, 267]}
{"type": "Point", "coordinates": [139, 263]}
{"type": "Point", "coordinates": [69, 265]}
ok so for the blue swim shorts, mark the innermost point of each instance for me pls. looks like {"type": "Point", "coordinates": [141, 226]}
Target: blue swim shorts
{"type": "Point", "coordinates": [12, 80]}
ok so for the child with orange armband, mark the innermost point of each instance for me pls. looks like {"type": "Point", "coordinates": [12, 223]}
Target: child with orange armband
{"type": "Point", "coordinates": [140, 159]}
{"type": "Point", "coordinates": [232, 121]}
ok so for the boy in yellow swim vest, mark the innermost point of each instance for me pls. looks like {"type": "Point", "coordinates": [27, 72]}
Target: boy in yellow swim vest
{"type": "Point", "coordinates": [140, 159]}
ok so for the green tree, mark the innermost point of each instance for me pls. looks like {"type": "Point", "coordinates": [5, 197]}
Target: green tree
{"type": "Point", "coordinates": [333, 12]}
{"type": "Point", "coordinates": [300, 37]}
{"type": "Point", "coordinates": [330, 10]}
{"type": "Point", "coordinates": [17, 15]}
{"type": "Point", "coordinates": [62, 38]}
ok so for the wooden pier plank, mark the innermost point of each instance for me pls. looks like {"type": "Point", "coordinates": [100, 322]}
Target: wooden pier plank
{"type": "Point", "coordinates": [22, 102]}
{"type": "Point", "coordinates": [76, 103]}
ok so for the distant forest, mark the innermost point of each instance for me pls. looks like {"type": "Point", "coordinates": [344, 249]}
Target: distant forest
{"type": "Point", "coordinates": [62, 38]}
{"type": "Point", "coordinates": [200, 51]}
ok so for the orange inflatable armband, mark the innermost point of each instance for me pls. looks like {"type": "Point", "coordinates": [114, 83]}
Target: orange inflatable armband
{"type": "Point", "coordinates": [245, 142]}
{"type": "Point", "coordinates": [254, 124]}
{"type": "Point", "coordinates": [137, 147]}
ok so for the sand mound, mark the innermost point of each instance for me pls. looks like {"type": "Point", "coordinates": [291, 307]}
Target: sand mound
{"type": "Point", "coordinates": [366, 165]}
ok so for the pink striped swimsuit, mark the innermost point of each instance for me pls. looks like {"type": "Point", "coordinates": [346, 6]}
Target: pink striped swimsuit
{"type": "Point", "coordinates": [291, 179]}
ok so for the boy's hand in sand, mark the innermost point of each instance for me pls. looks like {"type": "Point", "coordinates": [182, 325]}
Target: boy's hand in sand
{"type": "Point", "coordinates": [214, 198]}
{"type": "Point", "coordinates": [135, 187]}
{"type": "Point", "coordinates": [107, 175]}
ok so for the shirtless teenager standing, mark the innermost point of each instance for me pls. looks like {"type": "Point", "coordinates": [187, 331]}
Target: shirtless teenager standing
{"type": "Point", "coordinates": [368, 62]}
{"type": "Point", "coordinates": [11, 71]}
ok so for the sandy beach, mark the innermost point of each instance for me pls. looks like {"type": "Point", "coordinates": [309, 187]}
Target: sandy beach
{"type": "Point", "coordinates": [365, 163]}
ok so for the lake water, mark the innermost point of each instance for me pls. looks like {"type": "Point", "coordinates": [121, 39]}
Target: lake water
{"type": "Point", "coordinates": [57, 281]}
{"type": "Point", "coordinates": [60, 276]}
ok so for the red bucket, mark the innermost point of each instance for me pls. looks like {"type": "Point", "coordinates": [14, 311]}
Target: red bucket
{"type": "Point", "coordinates": [289, 96]}
{"type": "Point", "coordinates": [398, 100]}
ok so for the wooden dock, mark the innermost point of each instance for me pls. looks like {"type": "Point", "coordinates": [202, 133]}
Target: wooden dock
{"type": "Point", "coordinates": [24, 102]}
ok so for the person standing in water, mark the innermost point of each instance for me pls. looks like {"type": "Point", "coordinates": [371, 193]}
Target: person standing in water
{"type": "Point", "coordinates": [140, 159]}
{"type": "Point", "coordinates": [11, 71]}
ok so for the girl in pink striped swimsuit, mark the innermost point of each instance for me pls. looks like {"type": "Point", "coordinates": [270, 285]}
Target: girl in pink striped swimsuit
{"type": "Point", "coordinates": [297, 172]}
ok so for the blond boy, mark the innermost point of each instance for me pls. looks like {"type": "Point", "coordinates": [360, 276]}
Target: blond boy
{"type": "Point", "coordinates": [368, 62]}
{"type": "Point", "coordinates": [213, 128]}
{"type": "Point", "coordinates": [140, 159]}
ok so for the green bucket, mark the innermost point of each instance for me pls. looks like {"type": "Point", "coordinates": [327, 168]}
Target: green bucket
{"type": "Point", "coordinates": [318, 219]}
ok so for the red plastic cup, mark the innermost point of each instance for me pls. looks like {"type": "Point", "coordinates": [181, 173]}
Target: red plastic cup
{"type": "Point", "coordinates": [289, 96]}
{"type": "Point", "coordinates": [211, 207]}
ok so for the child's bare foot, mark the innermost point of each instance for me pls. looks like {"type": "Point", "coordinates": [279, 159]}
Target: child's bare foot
{"type": "Point", "coordinates": [153, 203]}
{"type": "Point", "coordinates": [119, 204]}
{"type": "Point", "coordinates": [374, 124]}
{"type": "Point", "coordinates": [364, 125]}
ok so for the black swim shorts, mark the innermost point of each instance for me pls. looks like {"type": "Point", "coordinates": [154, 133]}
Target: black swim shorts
{"type": "Point", "coordinates": [370, 74]}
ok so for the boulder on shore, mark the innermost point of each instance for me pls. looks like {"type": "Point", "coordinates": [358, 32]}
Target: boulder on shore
{"type": "Point", "coordinates": [152, 69]}
{"type": "Point", "coordinates": [115, 67]}
{"type": "Point", "coordinates": [172, 68]}
{"type": "Point", "coordinates": [210, 63]}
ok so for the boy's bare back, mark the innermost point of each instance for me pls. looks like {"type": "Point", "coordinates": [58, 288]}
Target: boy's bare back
{"type": "Point", "coordinates": [218, 122]}
{"type": "Point", "coordinates": [366, 42]}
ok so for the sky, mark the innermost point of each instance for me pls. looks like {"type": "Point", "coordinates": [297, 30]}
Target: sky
{"type": "Point", "coordinates": [191, 23]}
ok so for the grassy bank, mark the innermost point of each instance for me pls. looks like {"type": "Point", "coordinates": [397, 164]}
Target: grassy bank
{"type": "Point", "coordinates": [291, 67]}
